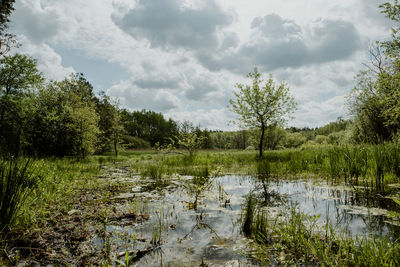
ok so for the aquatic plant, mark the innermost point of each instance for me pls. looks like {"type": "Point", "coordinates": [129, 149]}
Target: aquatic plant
{"type": "Point", "coordinates": [156, 232]}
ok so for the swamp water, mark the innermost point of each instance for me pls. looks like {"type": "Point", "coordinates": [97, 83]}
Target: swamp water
{"type": "Point", "coordinates": [188, 228]}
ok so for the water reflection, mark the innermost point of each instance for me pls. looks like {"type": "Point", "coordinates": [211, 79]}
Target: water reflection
{"type": "Point", "coordinates": [356, 211]}
{"type": "Point", "coordinates": [208, 231]}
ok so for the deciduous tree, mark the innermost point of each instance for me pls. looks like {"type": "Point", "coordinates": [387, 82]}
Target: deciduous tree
{"type": "Point", "coordinates": [262, 104]}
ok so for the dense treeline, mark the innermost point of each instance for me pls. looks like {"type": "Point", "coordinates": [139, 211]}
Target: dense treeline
{"type": "Point", "coordinates": [65, 118]}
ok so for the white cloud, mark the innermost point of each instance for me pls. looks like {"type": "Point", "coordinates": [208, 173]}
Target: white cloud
{"type": "Point", "coordinates": [41, 22]}
{"type": "Point", "coordinates": [136, 98]}
{"type": "Point", "coordinates": [49, 62]}
{"type": "Point", "coordinates": [319, 113]}
{"type": "Point", "coordinates": [185, 60]}
{"type": "Point", "coordinates": [214, 119]}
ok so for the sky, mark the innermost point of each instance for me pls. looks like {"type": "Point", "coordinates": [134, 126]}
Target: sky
{"type": "Point", "coordinates": [183, 58]}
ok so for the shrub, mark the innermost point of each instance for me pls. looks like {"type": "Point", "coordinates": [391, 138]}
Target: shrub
{"type": "Point", "coordinates": [294, 140]}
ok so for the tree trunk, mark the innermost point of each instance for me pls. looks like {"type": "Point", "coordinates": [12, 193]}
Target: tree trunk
{"type": "Point", "coordinates": [262, 140]}
{"type": "Point", "coordinates": [116, 146]}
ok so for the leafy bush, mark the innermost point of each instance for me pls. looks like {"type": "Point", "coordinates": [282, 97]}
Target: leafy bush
{"type": "Point", "coordinates": [294, 140]}
{"type": "Point", "coordinates": [134, 142]}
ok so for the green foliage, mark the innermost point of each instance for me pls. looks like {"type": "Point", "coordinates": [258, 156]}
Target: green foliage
{"type": "Point", "coordinates": [149, 126]}
{"type": "Point", "coordinates": [366, 104]}
{"type": "Point", "coordinates": [19, 78]}
{"type": "Point", "coordinates": [65, 119]}
{"type": "Point", "coordinates": [262, 105]}
{"type": "Point", "coordinates": [6, 7]}
{"type": "Point", "coordinates": [191, 142]}
{"type": "Point", "coordinates": [54, 119]}
{"type": "Point", "coordinates": [274, 137]}
{"type": "Point", "coordinates": [336, 126]}
{"type": "Point", "coordinates": [17, 181]}
{"type": "Point", "coordinates": [294, 140]}
{"type": "Point", "coordinates": [321, 139]}
{"type": "Point", "coordinates": [110, 126]}
{"type": "Point", "coordinates": [231, 140]}
{"type": "Point", "coordinates": [375, 102]}
{"type": "Point", "coordinates": [132, 142]}
{"type": "Point", "coordinates": [339, 138]}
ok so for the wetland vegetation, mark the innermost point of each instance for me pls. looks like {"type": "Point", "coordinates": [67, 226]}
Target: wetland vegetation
{"type": "Point", "coordinates": [215, 207]}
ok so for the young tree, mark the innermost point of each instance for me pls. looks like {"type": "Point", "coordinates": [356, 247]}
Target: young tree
{"type": "Point", "coordinates": [190, 141]}
{"type": "Point", "coordinates": [110, 123]}
{"type": "Point", "coordinates": [262, 104]}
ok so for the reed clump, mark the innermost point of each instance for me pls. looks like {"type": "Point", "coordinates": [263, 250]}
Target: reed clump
{"type": "Point", "coordinates": [17, 181]}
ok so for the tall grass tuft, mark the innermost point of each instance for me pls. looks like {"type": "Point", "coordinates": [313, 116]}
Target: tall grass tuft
{"type": "Point", "coordinates": [154, 171]}
{"type": "Point", "coordinates": [356, 164]}
{"type": "Point", "coordinates": [334, 163]}
{"type": "Point", "coordinates": [263, 168]}
{"type": "Point", "coordinates": [17, 181]}
{"type": "Point", "coordinates": [379, 153]}
{"type": "Point", "coordinates": [249, 213]}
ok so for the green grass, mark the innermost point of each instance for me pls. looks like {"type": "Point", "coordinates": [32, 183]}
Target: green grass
{"type": "Point", "coordinates": [367, 165]}
{"type": "Point", "coordinates": [60, 181]}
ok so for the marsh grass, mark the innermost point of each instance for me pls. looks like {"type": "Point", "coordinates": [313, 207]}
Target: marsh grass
{"type": "Point", "coordinates": [372, 166]}
{"type": "Point", "coordinates": [61, 179]}
{"type": "Point", "coordinates": [297, 239]}
{"type": "Point", "coordinates": [17, 181]}
{"type": "Point", "coordinates": [393, 158]}
{"type": "Point", "coordinates": [154, 171]}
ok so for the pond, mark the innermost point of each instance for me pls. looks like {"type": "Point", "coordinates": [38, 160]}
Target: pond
{"type": "Point", "coordinates": [190, 225]}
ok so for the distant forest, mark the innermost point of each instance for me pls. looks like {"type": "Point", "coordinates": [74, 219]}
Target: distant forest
{"type": "Point", "coordinates": [65, 118]}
